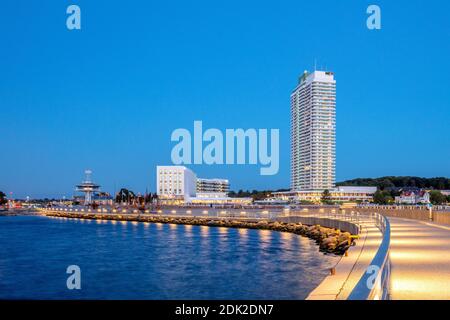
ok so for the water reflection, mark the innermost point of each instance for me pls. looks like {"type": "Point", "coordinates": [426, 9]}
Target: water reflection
{"type": "Point", "coordinates": [196, 262]}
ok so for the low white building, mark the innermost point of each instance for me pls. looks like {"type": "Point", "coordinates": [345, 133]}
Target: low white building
{"type": "Point", "coordinates": [338, 194]}
{"type": "Point", "coordinates": [212, 185]}
{"type": "Point", "coordinates": [219, 198]}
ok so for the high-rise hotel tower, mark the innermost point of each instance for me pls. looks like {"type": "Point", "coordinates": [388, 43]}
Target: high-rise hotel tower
{"type": "Point", "coordinates": [313, 132]}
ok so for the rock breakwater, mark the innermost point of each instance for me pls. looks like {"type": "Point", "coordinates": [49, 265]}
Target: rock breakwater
{"type": "Point", "coordinates": [329, 240]}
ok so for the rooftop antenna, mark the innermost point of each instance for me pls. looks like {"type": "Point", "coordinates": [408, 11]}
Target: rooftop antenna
{"type": "Point", "coordinates": [315, 64]}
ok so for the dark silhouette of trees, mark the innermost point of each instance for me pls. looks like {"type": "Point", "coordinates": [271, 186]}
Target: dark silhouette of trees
{"type": "Point", "coordinates": [326, 197]}
{"type": "Point", "coordinates": [3, 199]}
{"type": "Point", "coordinates": [391, 182]}
{"type": "Point", "coordinates": [125, 196]}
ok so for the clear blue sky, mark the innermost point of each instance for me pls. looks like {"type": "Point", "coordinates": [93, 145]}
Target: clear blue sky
{"type": "Point", "coordinates": [108, 97]}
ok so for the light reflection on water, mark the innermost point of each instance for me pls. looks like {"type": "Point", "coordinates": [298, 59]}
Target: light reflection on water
{"type": "Point", "coordinates": [124, 260]}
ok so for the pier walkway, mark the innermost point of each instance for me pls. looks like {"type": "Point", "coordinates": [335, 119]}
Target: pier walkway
{"type": "Point", "coordinates": [420, 260]}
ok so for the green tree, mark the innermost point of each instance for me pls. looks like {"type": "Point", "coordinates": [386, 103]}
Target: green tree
{"type": "Point", "coordinates": [3, 199]}
{"type": "Point", "coordinates": [448, 199]}
{"type": "Point", "coordinates": [326, 197]}
{"type": "Point", "coordinates": [436, 197]}
{"type": "Point", "coordinates": [382, 197]}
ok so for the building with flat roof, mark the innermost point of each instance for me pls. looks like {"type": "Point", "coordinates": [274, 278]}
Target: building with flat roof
{"type": "Point", "coordinates": [313, 130]}
{"type": "Point", "coordinates": [175, 184]}
{"type": "Point", "coordinates": [339, 194]}
{"type": "Point", "coordinates": [212, 185]}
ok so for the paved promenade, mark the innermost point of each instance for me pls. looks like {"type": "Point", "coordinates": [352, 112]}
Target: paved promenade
{"type": "Point", "coordinates": [420, 257]}
{"type": "Point", "coordinates": [352, 267]}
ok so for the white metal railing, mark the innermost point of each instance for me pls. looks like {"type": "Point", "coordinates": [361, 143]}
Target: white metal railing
{"type": "Point", "coordinates": [375, 282]}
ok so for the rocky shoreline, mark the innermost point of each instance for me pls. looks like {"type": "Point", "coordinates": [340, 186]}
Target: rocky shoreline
{"type": "Point", "coordinates": [329, 240]}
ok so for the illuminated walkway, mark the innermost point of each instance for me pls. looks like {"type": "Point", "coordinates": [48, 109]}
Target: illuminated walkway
{"type": "Point", "coordinates": [420, 257]}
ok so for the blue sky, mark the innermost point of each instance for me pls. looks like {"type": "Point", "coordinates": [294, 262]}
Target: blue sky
{"type": "Point", "coordinates": [107, 97]}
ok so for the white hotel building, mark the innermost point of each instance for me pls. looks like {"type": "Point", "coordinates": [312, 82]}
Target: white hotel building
{"type": "Point", "coordinates": [177, 185]}
{"type": "Point", "coordinates": [313, 132]}
{"type": "Point", "coordinates": [313, 143]}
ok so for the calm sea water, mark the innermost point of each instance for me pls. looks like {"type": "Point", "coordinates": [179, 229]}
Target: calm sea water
{"type": "Point", "coordinates": [125, 260]}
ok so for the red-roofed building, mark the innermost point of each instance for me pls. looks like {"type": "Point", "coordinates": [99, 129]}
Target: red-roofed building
{"type": "Point", "coordinates": [411, 197]}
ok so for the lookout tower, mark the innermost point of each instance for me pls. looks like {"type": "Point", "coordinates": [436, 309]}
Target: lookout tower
{"type": "Point", "coordinates": [88, 187]}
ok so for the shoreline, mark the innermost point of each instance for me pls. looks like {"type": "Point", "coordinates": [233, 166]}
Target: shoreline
{"type": "Point", "coordinates": [330, 240]}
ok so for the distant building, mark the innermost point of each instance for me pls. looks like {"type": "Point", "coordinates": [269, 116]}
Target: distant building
{"type": "Point", "coordinates": [212, 185]}
{"type": "Point", "coordinates": [219, 198]}
{"type": "Point", "coordinates": [413, 197]}
{"type": "Point", "coordinates": [339, 194]}
{"type": "Point", "coordinates": [100, 198]}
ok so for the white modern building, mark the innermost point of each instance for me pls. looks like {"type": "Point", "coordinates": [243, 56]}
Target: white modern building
{"type": "Point", "coordinates": [313, 128]}
{"type": "Point", "coordinates": [176, 184]}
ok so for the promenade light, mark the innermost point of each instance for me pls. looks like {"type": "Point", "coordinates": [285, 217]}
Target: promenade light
{"type": "Point", "coordinates": [82, 210]}
{"type": "Point", "coordinates": [114, 211]}
{"type": "Point", "coordinates": [124, 211]}
{"type": "Point", "coordinates": [135, 211]}
{"type": "Point", "coordinates": [173, 211]}
{"type": "Point", "coordinates": [205, 212]}
{"type": "Point", "coordinates": [99, 210]}
{"type": "Point", "coordinates": [159, 211]}
{"type": "Point", "coordinates": [188, 211]}
{"type": "Point", "coordinates": [147, 211]}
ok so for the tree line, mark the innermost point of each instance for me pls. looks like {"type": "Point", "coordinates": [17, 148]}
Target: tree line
{"type": "Point", "coordinates": [3, 199]}
{"type": "Point", "coordinates": [395, 182]}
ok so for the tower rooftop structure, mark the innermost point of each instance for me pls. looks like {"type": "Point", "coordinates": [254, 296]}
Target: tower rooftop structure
{"type": "Point", "coordinates": [88, 187]}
